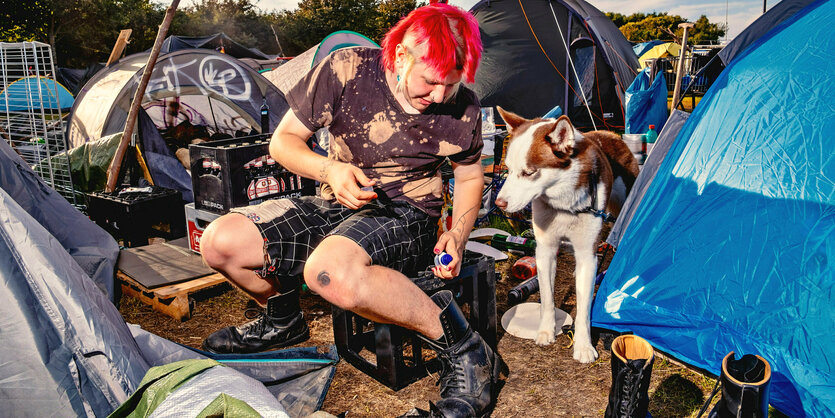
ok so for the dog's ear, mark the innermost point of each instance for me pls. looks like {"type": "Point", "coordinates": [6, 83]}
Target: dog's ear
{"type": "Point", "coordinates": [562, 136]}
{"type": "Point", "coordinates": [513, 120]}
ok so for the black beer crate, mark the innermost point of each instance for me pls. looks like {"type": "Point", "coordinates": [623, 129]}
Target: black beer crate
{"type": "Point", "coordinates": [133, 213]}
{"type": "Point", "coordinates": [239, 172]}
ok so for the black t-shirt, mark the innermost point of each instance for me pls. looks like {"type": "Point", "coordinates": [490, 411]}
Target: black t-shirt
{"type": "Point", "coordinates": [347, 92]}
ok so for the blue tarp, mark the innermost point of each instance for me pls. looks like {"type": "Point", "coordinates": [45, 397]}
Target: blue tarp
{"type": "Point", "coordinates": [646, 104]}
{"type": "Point", "coordinates": [733, 245]}
{"type": "Point", "coordinates": [34, 93]}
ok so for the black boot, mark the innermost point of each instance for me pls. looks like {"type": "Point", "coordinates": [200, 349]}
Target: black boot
{"type": "Point", "coordinates": [281, 324]}
{"type": "Point", "coordinates": [471, 369]}
{"type": "Point", "coordinates": [745, 386]}
{"type": "Point", "coordinates": [632, 359]}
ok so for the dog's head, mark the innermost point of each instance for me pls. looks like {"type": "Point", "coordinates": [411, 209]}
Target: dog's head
{"type": "Point", "coordinates": [539, 149]}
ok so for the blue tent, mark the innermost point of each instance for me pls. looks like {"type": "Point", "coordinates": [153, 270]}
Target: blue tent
{"type": "Point", "coordinates": [34, 92]}
{"type": "Point", "coordinates": [732, 246]}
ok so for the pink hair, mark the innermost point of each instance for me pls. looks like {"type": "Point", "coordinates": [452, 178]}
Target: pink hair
{"type": "Point", "coordinates": [451, 36]}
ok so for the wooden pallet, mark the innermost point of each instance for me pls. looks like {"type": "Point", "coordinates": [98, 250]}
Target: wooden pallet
{"type": "Point", "coordinates": [172, 300]}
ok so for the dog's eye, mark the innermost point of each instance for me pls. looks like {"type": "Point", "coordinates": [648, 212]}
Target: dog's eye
{"type": "Point", "coordinates": [528, 172]}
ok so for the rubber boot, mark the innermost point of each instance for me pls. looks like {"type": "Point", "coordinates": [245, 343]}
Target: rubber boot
{"type": "Point", "coordinates": [469, 380]}
{"type": "Point", "coordinates": [632, 359]}
{"type": "Point", "coordinates": [745, 386]}
{"type": "Point", "coordinates": [281, 324]}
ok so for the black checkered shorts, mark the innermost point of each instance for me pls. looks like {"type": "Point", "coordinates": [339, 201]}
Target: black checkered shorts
{"type": "Point", "coordinates": [395, 234]}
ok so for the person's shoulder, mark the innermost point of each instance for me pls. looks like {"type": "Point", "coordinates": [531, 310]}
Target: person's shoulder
{"type": "Point", "coordinates": [467, 97]}
{"type": "Point", "coordinates": [356, 54]}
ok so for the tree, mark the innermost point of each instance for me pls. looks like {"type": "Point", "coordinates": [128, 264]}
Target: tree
{"type": "Point", "coordinates": [640, 27]}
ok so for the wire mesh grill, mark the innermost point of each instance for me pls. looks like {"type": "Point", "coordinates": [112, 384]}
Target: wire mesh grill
{"type": "Point", "coordinates": [31, 118]}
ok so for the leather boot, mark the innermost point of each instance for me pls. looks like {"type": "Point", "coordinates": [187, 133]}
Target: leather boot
{"type": "Point", "coordinates": [471, 369]}
{"type": "Point", "coordinates": [281, 324]}
{"type": "Point", "coordinates": [745, 386]}
{"type": "Point", "coordinates": [632, 359]}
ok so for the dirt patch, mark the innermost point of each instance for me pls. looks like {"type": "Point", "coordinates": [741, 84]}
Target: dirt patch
{"type": "Point", "coordinates": [543, 381]}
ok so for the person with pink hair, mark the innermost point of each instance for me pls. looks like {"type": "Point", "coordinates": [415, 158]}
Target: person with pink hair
{"type": "Point", "coordinates": [394, 115]}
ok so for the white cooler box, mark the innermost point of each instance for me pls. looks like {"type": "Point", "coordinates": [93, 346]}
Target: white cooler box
{"type": "Point", "coordinates": [196, 222]}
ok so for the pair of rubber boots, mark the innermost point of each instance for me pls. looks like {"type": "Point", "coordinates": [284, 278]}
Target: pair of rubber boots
{"type": "Point", "coordinates": [279, 325]}
{"type": "Point", "coordinates": [745, 382]}
{"type": "Point", "coordinates": [471, 369]}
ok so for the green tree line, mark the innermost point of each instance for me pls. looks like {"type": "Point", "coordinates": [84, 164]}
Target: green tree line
{"type": "Point", "coordinates": [642, 27]}
{"type": "Point", "coordinates": [84, 31]}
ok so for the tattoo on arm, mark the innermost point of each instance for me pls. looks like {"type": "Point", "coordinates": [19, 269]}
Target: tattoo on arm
{"type": "Point", "coordinates": [460, 221]}
{"type": "Point", "coordinates": [326, 166]}
{"type": "Point", "coordinates": [323, 278]}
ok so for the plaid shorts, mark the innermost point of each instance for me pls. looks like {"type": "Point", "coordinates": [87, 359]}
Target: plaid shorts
{"type": "Point", "coordinates": [395, 234]}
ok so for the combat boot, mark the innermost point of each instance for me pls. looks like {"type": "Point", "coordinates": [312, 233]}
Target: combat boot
{"type": "Point", "coordinates": [632, 359]}
{"type": "Point", "coordinates": [281, 324]}
{"type": "Point", "coordinates": [469, 379]}
{"type": "Point", "coordinates": [745, 387]}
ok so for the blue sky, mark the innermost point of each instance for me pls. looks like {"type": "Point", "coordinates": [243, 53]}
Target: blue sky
{"type": "Point", "coordinates": [739, 13]}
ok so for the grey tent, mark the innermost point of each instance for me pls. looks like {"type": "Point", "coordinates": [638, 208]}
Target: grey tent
{"type": "Point", "coordinates": [541, 54]}
{"type": "Point", "coordinates": [66, 349]}
{"type": "Point", "coordinates": [219, 42]}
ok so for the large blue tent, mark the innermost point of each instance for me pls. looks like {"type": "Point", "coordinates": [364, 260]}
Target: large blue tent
{"type": "Point", "coordinates": [732, 246]}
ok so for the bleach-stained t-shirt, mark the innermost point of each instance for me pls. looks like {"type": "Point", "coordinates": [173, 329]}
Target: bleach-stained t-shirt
{"type": "Point", "coordinates": [347, 92]}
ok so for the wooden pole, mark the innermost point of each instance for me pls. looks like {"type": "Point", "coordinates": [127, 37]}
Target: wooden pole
{"type": "Point", "coordinates": [116, 164]}
{"type": "Point", "coordinates": [119, 47]}
{"type": "Point", "coordinates": [681, 57]}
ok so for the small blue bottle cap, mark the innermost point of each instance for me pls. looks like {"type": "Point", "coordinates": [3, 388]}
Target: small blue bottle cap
{"type": "Point", "coordinates": [445, 258]}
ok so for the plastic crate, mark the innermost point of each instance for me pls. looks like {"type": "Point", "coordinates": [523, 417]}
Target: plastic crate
{"type": "Point", "coordinates": [132, 216]}
{"type": "Point", "coordinates": [238, 172]}
{"type": "Point", "coordinates": [399, 354]}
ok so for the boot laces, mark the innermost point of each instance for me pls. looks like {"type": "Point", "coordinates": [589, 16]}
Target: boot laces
{"type": "Point", "coordinates": [259, 325]}
{"type": "Point", "coordinates": [452, 374]}
{"type": "Point", "coordinates": [630, 390]}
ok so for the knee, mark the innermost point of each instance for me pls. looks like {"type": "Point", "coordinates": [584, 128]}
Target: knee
{"type": "Point", "coordinates": [335, 282]}
{"type": "Point", "coordinates": [221, 242]}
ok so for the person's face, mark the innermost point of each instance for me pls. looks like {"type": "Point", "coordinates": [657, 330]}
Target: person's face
{"type": "Point", "coordinates": [423, 85]}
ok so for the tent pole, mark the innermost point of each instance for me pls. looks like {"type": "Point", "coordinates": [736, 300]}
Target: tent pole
{"type": "Point", "coordinates": [116, 164]}
{"type": "Point", "coordinates": [681, 57]}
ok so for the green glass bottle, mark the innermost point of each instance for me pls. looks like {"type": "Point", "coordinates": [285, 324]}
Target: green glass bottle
{"type": "Point", "coordinates": [513, 243]}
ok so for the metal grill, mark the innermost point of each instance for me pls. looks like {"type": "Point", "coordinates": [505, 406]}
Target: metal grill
{"type": "Point", "coordinates": [31, 119]}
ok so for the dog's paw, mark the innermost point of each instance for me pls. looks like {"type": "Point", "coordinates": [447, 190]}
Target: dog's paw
{"type": "Point", "coordinates": [545, 337]}
{"type": "Point", "coordinates": [584, 353]}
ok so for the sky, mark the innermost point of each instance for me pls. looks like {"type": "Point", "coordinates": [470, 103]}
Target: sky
{"type": "Point", "coordinates": [737, 13]}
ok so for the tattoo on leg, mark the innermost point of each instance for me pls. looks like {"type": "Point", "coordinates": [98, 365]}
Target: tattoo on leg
{"type": "Point", "coordinates": [323, 278]}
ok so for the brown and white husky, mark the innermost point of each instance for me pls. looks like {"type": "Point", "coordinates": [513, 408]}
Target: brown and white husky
{"type": "Point", "coordinates": [573, 181]}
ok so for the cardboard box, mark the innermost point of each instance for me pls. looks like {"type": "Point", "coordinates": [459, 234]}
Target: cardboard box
{"type": "Point", "coordinates": [196, 222]}
{"type": "Point", "coordinates": [239, 172]}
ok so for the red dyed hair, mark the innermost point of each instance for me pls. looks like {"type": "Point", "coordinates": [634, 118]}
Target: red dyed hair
{"type": "Point", "coordinates": [450, 34]}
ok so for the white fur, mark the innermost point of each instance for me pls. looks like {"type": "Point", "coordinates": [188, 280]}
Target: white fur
{"type": "Point", "coordinates": [554, 198]}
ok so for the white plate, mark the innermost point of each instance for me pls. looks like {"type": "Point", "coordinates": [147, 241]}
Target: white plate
{"type": "Point", "coordinates": [522, 320]}
{"type": "Point", "coordinates": [485, 249]}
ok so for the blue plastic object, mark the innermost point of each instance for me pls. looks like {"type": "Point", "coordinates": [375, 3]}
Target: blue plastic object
{"type": "Point", "coordinates": [733, 245]}
{"type": "Point", "coordinates": [646, 104]}
{"type": "Point", "coordinates": [442, 259]}
{"type": "Point", "coordinates": [553, 113]}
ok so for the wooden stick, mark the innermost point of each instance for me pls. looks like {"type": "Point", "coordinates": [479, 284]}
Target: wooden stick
{"type": "Point", "coordinates": [116, 164]}
{"type": "Point", "coordinates": [119, 47]}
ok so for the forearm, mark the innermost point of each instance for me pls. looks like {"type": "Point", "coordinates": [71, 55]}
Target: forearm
{"type": "Point", "coordinates": [292, 153]}
{"type": "Point", "coordinates": [469, 184]}
{"type": "Point", "coordinates": [288, 147]}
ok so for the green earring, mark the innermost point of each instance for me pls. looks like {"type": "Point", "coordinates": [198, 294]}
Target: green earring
{"type": "Point", "coordinates": [398, 78]}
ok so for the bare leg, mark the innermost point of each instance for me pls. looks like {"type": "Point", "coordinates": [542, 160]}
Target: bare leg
{"type": "Point", "coordinates": [233, 246]}
{"type": "Point", "coordinates": [340, 271]}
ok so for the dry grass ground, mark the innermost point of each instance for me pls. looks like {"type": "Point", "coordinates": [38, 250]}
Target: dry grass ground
{"type": "Point", "coordinates": [543, 381]}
